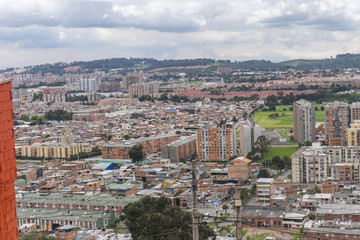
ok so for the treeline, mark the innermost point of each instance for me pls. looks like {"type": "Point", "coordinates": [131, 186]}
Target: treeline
{"type": "Point", "coordinates": [320, 96]}
{"type": "Point", "coordinates": [341, 61]}
{"type": "Point", "coordinates": [75, 98]}
{"type": "Point", "coordinates": [124, 64]}
{"type": "Point", "coordinates": [55, 84]}
{"type": "Point", "coordinates": [127, 64]}
{"type": "Point", "coordinates": [58, 115]}
{"type": "Point", "coordinates": [95, 152]}
{"type": "Point", "coordinates": [165, 97]}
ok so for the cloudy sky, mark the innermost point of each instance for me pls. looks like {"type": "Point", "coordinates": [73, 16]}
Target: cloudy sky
{"type": "Point", "coordinates": [41, 31]}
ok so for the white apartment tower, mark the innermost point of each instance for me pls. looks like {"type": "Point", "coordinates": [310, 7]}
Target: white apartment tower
{"type": "Point", "coordinates": [88, 85]}
{"type": "Point", "coordinates": [249, 133]}
{"type": "Point", "coordinates": [304, 121]}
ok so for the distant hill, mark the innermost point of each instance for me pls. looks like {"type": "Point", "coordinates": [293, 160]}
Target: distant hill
{"type": "Point", "coordinates": [129, 64]}
{"type": "Point", "coordinates": [340, 62]}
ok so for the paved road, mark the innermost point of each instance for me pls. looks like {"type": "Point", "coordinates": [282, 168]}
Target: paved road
{"type": "Point", "coordinates": [285, 174]}
{"type": "Point", "coordinates": [274, 138]}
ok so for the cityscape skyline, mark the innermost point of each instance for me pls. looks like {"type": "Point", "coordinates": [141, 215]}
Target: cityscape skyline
{"type": "Point", "coordinates": [277, 30]}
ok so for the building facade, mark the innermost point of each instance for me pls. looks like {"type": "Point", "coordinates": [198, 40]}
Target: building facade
{"type": "Point", "coordinates": [240, 168]}
{"type": "Point", "coordinates": [133, 78]}
{"type": "Point", "coordinates": [8, 227]}
{"type": "Point", "coordinates": [216, 143]}
{"type": "Point", "coordinates": [355, 111]}
{"type": "Point", "coordinates": [179, 150]}
{"type": "Point", "coordinates": [264, 190]}
{"type": "Point", "coordinates": [88, 84]}
{"type": "Point", "coordinates": [138, 90]}
{"type": "Point", "coordinates": [249, 133]}
{"type": "Point", "coordinates": [337, 120]}
{"type": "Point", "coordinates": [353, 133]}
{"type": "Point", "coordinates": [52, 150]}
{"type": "Point", "coordinates": [54, 95]}
{"type": "Point", "coordinates": [304, 121]}
{"type": "Point", "coordinates": [150, 145]}
{"type": "Point", "coordinates": [317, 163]}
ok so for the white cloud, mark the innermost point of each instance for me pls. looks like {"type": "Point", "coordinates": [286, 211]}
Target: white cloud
{"type": "Point", "coordinates": [238, 30]}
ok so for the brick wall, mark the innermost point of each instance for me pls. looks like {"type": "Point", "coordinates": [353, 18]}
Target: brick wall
{"type": "Point", "coordinates": [8, 221]}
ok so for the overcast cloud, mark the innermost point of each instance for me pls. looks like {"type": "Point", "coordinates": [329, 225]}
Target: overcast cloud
{"type": "Point", "coordinates": [40, 31]}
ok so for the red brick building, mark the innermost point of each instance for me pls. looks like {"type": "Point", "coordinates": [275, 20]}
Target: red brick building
{"type": "Point", "coordinates": [239, 168]}
{"type": "Point", "coordinates": [8, 222]}
{"type": "Point", "coordinates": [150, 145]}
{"type": "Point", "coordinates": [216, 143]}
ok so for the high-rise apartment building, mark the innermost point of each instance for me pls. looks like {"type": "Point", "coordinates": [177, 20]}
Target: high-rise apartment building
{"type": "Point", "coordinates": [353, 133]}
{"type": "Point", "coordinates": [133, 78]}
{"type": "Point", "coordinates": [180, 149]}
{"type": "Point", "coordinates": [355, 111]}
{"type": "Point", "coordinates": [249, 133]}
{"type": "Point", "coordinates": [8, 221]}
{"type": "Point", "coordinates": [88, 84]}
{"type": "Point", "coordinates": [138, 90]}
{"type": "Point", "coordinates": [337, 120]}
{"type": "Point", "coordinates": [316, 163]}
{"type": "Point", "coordinates": [54, 96]}
{"type": "Point", "coordinates": [216, 143]}
{"type": "Point", "coordinates": [304, 121]}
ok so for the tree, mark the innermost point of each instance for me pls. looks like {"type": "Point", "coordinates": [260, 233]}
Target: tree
{"type": "Point", "coordinates": [163, 97]}
{"type": "Point", "coordinates": [262, 145]}
{"type": "Point", "coordinates": [317, 189]}
{"type": "Point", "coordinates": [232, 157]}
{"type": "Point", "coordinates": [25, 117]}
{"type": "Point", "coordinates": [156, 218]}
{"type": "Point", "coordinates": [100, 223]}
{"type": "Point", "coordinates": [311, 216]}
{"type": "Point", "coordinates": [263, 173]}
{"type": "Point", "coordinates": [225, 207]}
{"type": "Point", "coordinates": [287, 161]}
{"type": "Point", "coordinates": [277, 162]}
{"type": "Point", "coordinates": [111, 222]}
{"type": "Point", "coordinates": [136, 153]}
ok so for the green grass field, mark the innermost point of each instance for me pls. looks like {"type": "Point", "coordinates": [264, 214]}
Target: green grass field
{"type": "Point", "coordinates": [285, 118]}
{"type": "Point", "coordinates": [280, 151]}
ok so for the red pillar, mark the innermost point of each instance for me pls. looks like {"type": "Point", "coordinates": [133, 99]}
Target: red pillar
{"type": "Point", "coordinates": [8, 221]}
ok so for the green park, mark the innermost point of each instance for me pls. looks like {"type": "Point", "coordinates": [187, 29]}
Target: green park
{"type": "Point", "coordinates": [281, 120]}
{"type": "Point", "coordinates": [282, 117]}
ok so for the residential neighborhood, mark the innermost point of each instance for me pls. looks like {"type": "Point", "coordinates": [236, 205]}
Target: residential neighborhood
{"type": "Point", "coordinates": [283, 165]}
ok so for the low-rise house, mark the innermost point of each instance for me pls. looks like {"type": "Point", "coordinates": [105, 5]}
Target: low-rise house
{"type": "Point", "coordinates": [312, 201]}
{"type": "Point", "coordinates": [123, 190]}
{"type": "Point", "coordinates": [264, 190]}
{"type": "Point", "coordinates": [266, 216]}
{"type": "Point", "coordinates": [102, 203]}
{"type": "Point", "coordinates": [339, 212]}
{"type": "Point", "coordinates": [240, 168]}
{"type": "Point", "coordinates": [331, 230]}
{"type": "Point", "coordinates": [294, 220]}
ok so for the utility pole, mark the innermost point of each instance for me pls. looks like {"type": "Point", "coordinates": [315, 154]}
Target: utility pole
{"type": "Point", "coordinates": [195, 210]}
{"type": "Point", "coordinates": [238, 212]}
